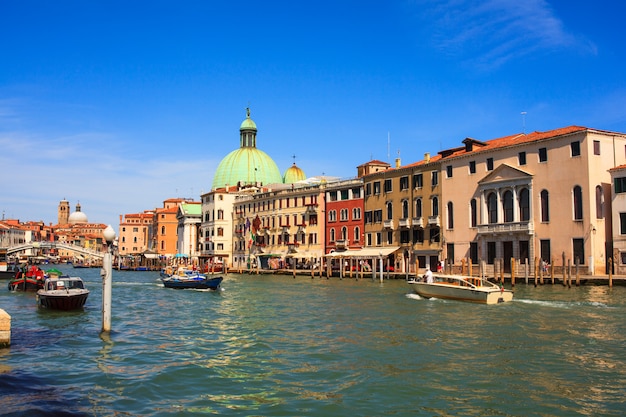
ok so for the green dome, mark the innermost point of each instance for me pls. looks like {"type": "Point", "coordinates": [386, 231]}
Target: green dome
{"type": "Point", "coordinates": [246, 165]}
{"type": "Point", "coordinates": [293, 174]}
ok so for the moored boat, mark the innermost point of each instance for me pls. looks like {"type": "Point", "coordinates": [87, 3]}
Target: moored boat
{"type": "Point", "coordinates": [456, 287]}
{"type": "Point", "coordinates": [188, 279]}
{"type": "Point", "coordinates": [66, 293]}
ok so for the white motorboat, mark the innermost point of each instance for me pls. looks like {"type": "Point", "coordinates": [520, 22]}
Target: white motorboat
{"type": "Point", "coordinates": [461, 288]}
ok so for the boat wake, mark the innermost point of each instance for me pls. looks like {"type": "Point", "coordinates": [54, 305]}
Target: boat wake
{"type": "Point", "coordinates": [562, 304]}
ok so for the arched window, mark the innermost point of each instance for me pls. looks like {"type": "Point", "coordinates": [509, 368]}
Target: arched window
{"type": "Point", "coordinates": [524, 205]}
{"type": "Point", "coordinates": [357, 234]}
{"type": "Point", "coordinates": [405, 209]}
{"type": "Point", "coordinates": [435, 208]}
{"type": "Point", "coordinates": [507, 206]}
{"type": "Point", "coordinates": [599, 202]}
{"type": "Point", "coordinates": [332, 234]}
{"type": "Point", "coordinates": [492, 207]}
{"type": "Point", "coordinates": [578, 203]}
{"type": "Point", "coordinates": [450, 215]}
{"type": "Point", "coordinates": [418, 208]}
{"type": "Point", "coordinates": [344, 233]}
{"type": "Point", "coordinates": [545, 206]}
{"type": "Point", "coordinates": [162, 230]}
{"type": "Point", "coordinates": [389, 210]}
{"type": "Point", "coordinates": [473, 213]}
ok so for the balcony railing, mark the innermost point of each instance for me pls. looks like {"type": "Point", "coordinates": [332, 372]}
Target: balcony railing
{"type": "Point", "coordinates": [404, 223]}
{"type": "Point", "coordinates": [341, 243]}
{"type": "Point", "coordinates": [418, 222]}
{"type": "Point", "coordinates": [388, 224]}
{"type": "Point", "coordinates": [433, 220]}
{"type": "Point", "coordinates": [525, 227]}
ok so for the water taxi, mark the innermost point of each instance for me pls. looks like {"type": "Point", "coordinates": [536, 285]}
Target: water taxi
{"type": "Point", "coordinates": [461, 288]}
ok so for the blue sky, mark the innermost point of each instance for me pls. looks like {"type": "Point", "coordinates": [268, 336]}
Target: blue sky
{"type": "Point", "coordinates": [120, 105]}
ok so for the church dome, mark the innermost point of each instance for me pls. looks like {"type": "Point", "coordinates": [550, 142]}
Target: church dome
{"type": "Point", "coordinates": [293, 174]}
{"type": "Point", "coordinates": [246, 165]}
{"type": "Point", "coordinates": [78, 216]}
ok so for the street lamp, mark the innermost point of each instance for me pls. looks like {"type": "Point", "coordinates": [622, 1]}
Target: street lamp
{"type": "Point", "coordinates": [106, 273]}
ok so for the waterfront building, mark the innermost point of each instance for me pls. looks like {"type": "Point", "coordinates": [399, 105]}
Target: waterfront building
{"type": "Point", "coordinates": [402, 212]}
{"type": "Point", "coordinates": [135, 233]}
{"type": "Point", "coordinates": [542, 195]}
{"type": "Point", "coordinates": [216, 226]}
{"type": "Point", "coordinates": [242, 173]}
{"type": "Point", "coordinates": [281, 222]}
{"type": "Point", "coordinates": [618, 218]}
{"type": "Point", "coordinates": [12, 233]}
{"type": "Point", "coordinates": [189, 216]}
{"type": "Point", "coordinates": [165, 227]}
{"type": "Point", "coordinates": [344, 216]}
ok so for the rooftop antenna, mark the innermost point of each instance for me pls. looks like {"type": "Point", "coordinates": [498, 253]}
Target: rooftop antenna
{"type": "Point", "coordinates": [523, 122]}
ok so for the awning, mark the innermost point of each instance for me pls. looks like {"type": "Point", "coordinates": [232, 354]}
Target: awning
{"type": "Point", "coordinates": [151, 255]}
{"type": "Point", "coordinates": [364, 253]}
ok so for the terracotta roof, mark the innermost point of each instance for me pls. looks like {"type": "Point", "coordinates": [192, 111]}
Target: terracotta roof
{"type": "Point", "coordinates": [512, 140]}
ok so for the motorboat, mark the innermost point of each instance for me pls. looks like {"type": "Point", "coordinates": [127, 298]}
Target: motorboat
{"type": "Point", "coordinates": [190, 279]}
{"type": "Point", "coordinates": [27, 279]}
{"type": "Point", "coordinates": [63, 293]}
{"type": "Point", "coordinates": [462, 288]}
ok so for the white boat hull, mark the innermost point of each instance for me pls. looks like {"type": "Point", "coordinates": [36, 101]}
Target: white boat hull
{"type": "Point", "coordinates": [460, 289]}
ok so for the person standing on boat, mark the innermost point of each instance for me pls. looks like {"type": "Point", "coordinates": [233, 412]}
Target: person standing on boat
{"type": "Point", "coordinates": [428, 276]}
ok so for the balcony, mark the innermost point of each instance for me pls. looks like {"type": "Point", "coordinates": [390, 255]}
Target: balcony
{"type": "Point", "coordinates": [404, 223]}
{"type": "Point", "coordinates": [388, 224]}
{"type": "Point", "coordinates": [433, 220]}
{"type": "Point", "coordinates": [519, 227]}
{"type": "Point", "coordinates": [342, 243]}
{"type": "Point", "coordinates": [418, 222]}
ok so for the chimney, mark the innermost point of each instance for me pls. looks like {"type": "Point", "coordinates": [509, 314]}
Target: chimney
{"type": "Point", "coordinates": [397, 162]}
{"type": "Point", "coordinates": [427, 157]}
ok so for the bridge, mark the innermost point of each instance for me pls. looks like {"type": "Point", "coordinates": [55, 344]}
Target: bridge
{"type": "Point", "coordinates": [55, 245]}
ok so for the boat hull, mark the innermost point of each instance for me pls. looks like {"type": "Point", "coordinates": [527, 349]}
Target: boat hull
{"type": "Point", "coordinates": [71, 301]}
{"type": "Point", "coordinates": [27, 284]}
{"type": "Point", "coordinates": [449, 291]}
{"type": "Point", "coordinates": [199, 283]}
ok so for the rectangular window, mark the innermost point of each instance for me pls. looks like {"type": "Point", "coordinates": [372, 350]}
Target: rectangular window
{"type": "Point", "coordinates": [521, 158]}
{"type": "Point", "coordinates": [387, 186]}
{"type": "Point", "coordinates": [344, 195]}
{"type": "Point", "coordinates": [389, 237]}
{"type": "Point", "coordinates": [474, 252]}
{"type": "Point", "coordinates": [434, 178]}
{"type": "Point", "coordinates": [620, 185]}
{"type": "Point", "coordinates": [489, 164]}
{"type": "Point", "coordinates": [378, 216]}
{"type": "Point", "coordinates": [379, 239]}
{"type": "Point", "coordinates": [368, 189]}
{"type": "Point", "coordinates": [543, 154]}
{"type": "Point", "coordinates": [491, 252]}
{"type": "Point", "coordinates": [575, 148]}
{"type": "Point", "coordinates": [596, 147]}
{"type": "Point", "coordinates": [417, 181]}
{"type": "Point", "coordinates": [368, 217]}
{"type": "Point", "coordinates": [376, 187]}
{"type": "Point", "coordinates": [404, 183]}
{"type": "Point", "coordinates": [449, 171]}
{"type": "Point", "coordinates": [404, 236]}
{"type": "Point", "coordinates": [622, 223]}
{"type": "Point", "coordinates": [472, 167]}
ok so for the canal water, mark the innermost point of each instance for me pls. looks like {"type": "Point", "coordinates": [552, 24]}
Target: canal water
{"type": "Point", "coordinates": [279, 346]}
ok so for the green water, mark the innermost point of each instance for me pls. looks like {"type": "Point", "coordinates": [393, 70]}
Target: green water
{"type": "Point", "coordinates": [279, 346]}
